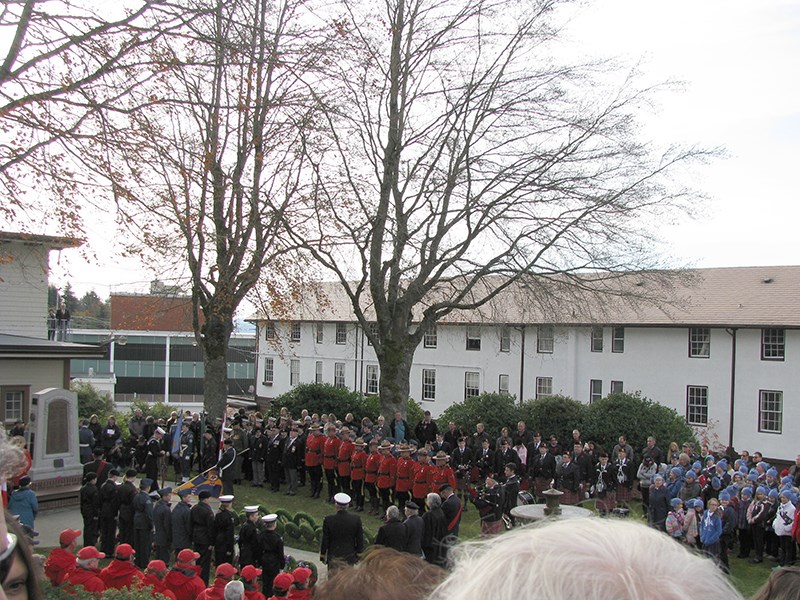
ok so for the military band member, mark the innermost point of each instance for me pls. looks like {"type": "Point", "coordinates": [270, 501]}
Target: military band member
{"type": "Point", "coordinates": [461, 459]}
{"type": "Point", "coordinates": [249, 551]}
{"type": "Point", "coordinates": [224, 524]}
{"type": "Point", "coordinates": [569, 479]}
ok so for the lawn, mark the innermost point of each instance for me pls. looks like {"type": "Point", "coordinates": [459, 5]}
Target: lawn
{"type": "Point", "coordinates": [745, 576]}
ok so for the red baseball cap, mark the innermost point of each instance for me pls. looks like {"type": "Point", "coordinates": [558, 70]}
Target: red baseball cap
{"type": "Point", "coordinates": [124, 551]}
{"type": "Point", "coordinates": [68, 536]}
{"type": "Point", "coordinates": [156, 566]}
{"type": "Point", "coordinates": [301, 574]}
{"type": "Point", "coordinates": [90, 552]}
{"type": "Point", "coordinates": [250, 572]}
{"type": "Point", "coordinates": [283, 582]}
{"type": "Point", "coordinates": [226, 570]}
{"type": "Point", "coordinates": [186, 555]}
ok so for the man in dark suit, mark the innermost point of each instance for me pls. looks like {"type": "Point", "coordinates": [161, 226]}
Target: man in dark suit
{"type": "Point", "coordinates": [451, 507]}
{"type": "Point", "coordinates": [99, 466]}
{"type": "Point", "coordinates": [225, 467]}
{"type": "Point", "coordinates": [504, 455]}
{"type": "Point", "coordinates": [342, 536]}
{"type": "Point", "coordinates": [201, 518]}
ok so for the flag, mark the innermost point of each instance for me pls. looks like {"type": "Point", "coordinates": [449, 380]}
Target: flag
{"type": "Point", "coordinates": [208, 481]}
{"type": "Point", "coordinates": [176, 437]}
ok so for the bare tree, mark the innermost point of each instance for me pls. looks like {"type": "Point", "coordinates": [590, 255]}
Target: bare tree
{"type": "Point", "coordinates": [205, 163]}
{"type": "Point", "coordinates": [60, 69]}
{"type": "Point", "coordinates": [458, 155]}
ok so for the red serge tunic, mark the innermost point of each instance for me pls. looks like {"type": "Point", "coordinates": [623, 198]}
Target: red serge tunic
{"type": "Point", "coordinates": [343, 458]}
{"type": "Point", "coordinates": [314, 450]}
{"type": "Point", "coordinates": [330, 452]}
{"type": "Point", "coordinates": [357, 464]}
{"type": "Point", "coordinates": [405, 472]}
{"type": "Point", "coordinates": [423, 480]}
{"type": "Point", "coordinates": [387, 471]}
{"type": "Point", "coordinates": [373, 464]}
{"type": "Point", "coordinates": [441, 476]}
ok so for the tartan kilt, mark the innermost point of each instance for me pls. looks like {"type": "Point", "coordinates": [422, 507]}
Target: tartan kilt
{"type": "Point", "coordinates": [607, 503]}
{"type": "Point", "coordinates": [492, 527]}
{"type": "Point", "coordinates": [570, 497]}
{"type": "Point", "coordinates": [624, 494]}
{"type": "Point", "coordinates": [540, 484]}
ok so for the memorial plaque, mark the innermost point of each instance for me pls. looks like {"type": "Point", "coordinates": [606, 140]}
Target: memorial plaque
{"type": "Point", "coordinates": [57, 432]}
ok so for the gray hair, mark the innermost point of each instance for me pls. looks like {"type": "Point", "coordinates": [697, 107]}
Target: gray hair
{"type": "Point", "coordinates": [234, 590]}
{"type": "Point", "coordinates": [614, 556]}
{"type": "Point", "coordinates": [12, 458]}
{"type": "Point", "coordinates": [433, 500]}
{"type": "Point", "coordinates": [392, 513]}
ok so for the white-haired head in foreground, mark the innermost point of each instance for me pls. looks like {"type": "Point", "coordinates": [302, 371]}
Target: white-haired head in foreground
{"type": "Point", "coordinates": [589, 559]}
{"type": "Point", "coordinates": [234, 590]}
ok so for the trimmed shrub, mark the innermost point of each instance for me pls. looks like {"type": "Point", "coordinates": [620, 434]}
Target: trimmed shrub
{"type": "Point", "coordinates": [92, 402]}
{"type": "Point", "coordinates": [495, 411]}
{"type": "Point", "coordinates": [553, 414]}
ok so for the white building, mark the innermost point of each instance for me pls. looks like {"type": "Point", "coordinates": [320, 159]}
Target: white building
{"type": "Point", "coordinates": [725, 353]}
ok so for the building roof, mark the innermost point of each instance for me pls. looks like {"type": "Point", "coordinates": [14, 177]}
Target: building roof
{"type": "Point", "coordinates": [717, 297]}
{"type": "Point", "coordinates": [20, 346]}
{"type": "Point", "coordinates": [44, 240]}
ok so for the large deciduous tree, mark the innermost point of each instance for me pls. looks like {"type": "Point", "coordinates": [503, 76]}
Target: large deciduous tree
{"type": "Point", "coordinates": [458, 155]}
{"type": "Point", "coordinates": [205, 164]}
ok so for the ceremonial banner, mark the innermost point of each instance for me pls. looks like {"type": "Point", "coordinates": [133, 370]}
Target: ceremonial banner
{"type": "Point", "coordinates": [176, 437]}
{"type": "Point", "coordinates": [207, 481]}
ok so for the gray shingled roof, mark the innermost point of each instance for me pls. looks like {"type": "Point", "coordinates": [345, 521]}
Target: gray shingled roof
{"type": "Point", "coordinates": [719, 297]}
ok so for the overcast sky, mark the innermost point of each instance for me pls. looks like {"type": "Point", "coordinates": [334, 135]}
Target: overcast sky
{"type": "Point", "coordinates": [740, 63]}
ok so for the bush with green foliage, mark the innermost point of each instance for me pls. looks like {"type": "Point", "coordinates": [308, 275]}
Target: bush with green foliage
{"type": "Point", "coordinates": [495, 411]}
{"type": "Point", "coordinates": [157, 410]}
{"type": "Point", "coordinates": [636, 417]}
{"type": "Point", "coordinates": [92, 402]}
{"type": "Point", "coordinates": [553, 415]}
{"type": "Point", "coordinates": [63, 593]}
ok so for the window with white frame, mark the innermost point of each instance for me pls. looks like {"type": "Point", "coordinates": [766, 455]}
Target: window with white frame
{"type": "Point", "coordinates": [502, 386]}
{"type": "Point", "coordinates": [544, 339]}
{"type": "Point", "coordinates": [341, 333]}
{"type": "Point", "coordinates": [544, 387]}
{"type": "Point", "coordinates": [318, 372]}
{"type": "Point", "coordinates": [269, 330]}
{"type": "Point", "coordinates": [699, 342]}
{"type": "Point", "coordinates": [595, 390]}
{"type": "Point", "coordinates": [505, 339]}
{"type": "Point", "coordinates": [770, 411]}
{"type": "Point", "coordinates": [338, 374]}
{"type": "Point", "coordinates": [372, 379]}
{"type": "Point", "coordinates": [773, 344]}
{"type": "Point", "coordinates": [294, 332]}
{"type": "Point", "coordinates": [294, 371]}
{"type": "Point", "coordinates": [472, 384]}
{"type": "Point", "coordinates": [320, 333]}
{"type": "Point", "coordinates": [697, 405]}
{"type": "Point", "coordinates": [269, 371]}
{"type": "Point", "coordinates": [473, 338]}
{"type": "Point", "coordinates": [373, 329]}
{"type": "Point", "coordinates": [597, 339]}
{"type": "Point", "coordinates": [430, 339]}
{"type": "Point", "coordinates": [616, 387]}
{"type": "Point", "coordinates": [618, 339]}
{"type": "Point", "coordinates": [429, 385]}
{"type": "Point", "coordinates": [13, 405]}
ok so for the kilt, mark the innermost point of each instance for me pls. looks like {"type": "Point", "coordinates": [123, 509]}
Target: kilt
{"type": "Point", "coordinates": [570, 497]}
{"type": "Point", "coordinates": [492, 527]}
{"type": "Point", "coordinates": [540, 484]}
{"type": "Point", "coordinates": [607, 503]}
{"type": "Point", "coordinates": [624, 494]}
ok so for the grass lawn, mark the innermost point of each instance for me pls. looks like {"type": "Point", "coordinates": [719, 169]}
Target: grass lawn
{"type": "Point", "coordinates": [746, 577]}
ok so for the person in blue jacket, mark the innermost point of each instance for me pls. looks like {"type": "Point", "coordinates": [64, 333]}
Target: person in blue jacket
{"type": "Point", "coordinates": [711, 530]}
{"type": "Point", "coordinates": [23, 502]}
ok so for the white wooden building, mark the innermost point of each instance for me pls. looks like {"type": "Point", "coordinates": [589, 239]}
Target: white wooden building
{"type": "Point", "coordinates": [725, 353]}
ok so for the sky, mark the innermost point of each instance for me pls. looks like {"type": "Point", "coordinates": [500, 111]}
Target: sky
{"type": "Point", "coordinates": [739, 64]}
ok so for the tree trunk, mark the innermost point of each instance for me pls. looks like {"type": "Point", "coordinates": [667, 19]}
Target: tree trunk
{"type": "Point", "coordinates": [394, 359]}
{"type": "Point", "coordinates": [216, 333]}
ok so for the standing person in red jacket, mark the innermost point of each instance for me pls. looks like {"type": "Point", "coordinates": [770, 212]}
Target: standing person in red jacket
{"type": "Point", "coordinates": [443, 473]}
{"type": "Point", "coordinates": [121, 572]}
{"type": "Point", "coordinates": [358, 464]}
{"type": "Point", "coordinates": [250, 577]}
{"type": "Point", "coordinates": [154, 577]}
{"type": "Point", "coordinates": [405, 473]}
{"type": "Point", "coordinates": [184, 578]}
{"type": "Point", "coordinates": [371, 475]}
{"type": "Point", "coordinates": [423, 478]}
{"type": "Point", "coordinates": [223, 575]}
{"type": "Point", "coordinates": [61, 560]}
{"type": "Point", "coordinates": [387, 473]}
{"type": "Point", "coordinates": [314, 444]}
{"type": "Point", "coordinates": [330, 454]}
{"type": "Point", "coordinates": [87, 570]}
{"type": "Point", "coordinates": [343, 461]}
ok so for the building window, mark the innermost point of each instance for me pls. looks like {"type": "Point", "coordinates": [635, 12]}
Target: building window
{"type": "Point", "coordinates": [597, 339]}
{"type": "Point", "coordinates": [341, 333]}
{"type": "Point", "coordinates": [544, 339]}
{"type": "Point", "coordinates": [373, 329]}
{"type": "Point", "coordinates": [502, 387]}
{"type": "Point", "coordinates": [616, 387]}
{"type": "Point", "coordinates": [770, 411]}
{"type": "Point", "coordinates": [618, 339]}
{"type": "Point", "coordinates": [294, 372]}
{"type": "Point", "coordinates": [697, 405]}
{"type": "Point", "coordinates": [269, 330]}
{"type": "Point", "coordinates": [472, 383]}
{"type": "Point", "coordinates": [294, 333]}
{"type": "Point", "coordinates": [429, 385]}
{"type": "Point", "coordinates": [473, 338]}
{"type": "Point", "coordinates": [699, 342]}
{"type": "Point", "coordinates": [595, 390]}
{"type": "Point", "coordinates": [505, 339]}
{"type": "Point", "coordinates": [372, 379]}
{"type": "Point", "coordinates": [320, 333]}
{"type": "Point", "coordinates": [430, 339]}
{"type": "Point", "coordinates": [318, 372]}
{"type": "Point", "coordinates": [338, 375]}
{"type": "Point", "coordinates": [772, 344]}
{"type": "Point", "coordinates": [269, 371]}
{"type": "Point", "coordinates": [544, 387]}
{"type": "Point", "coordinates": [13, 404]}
